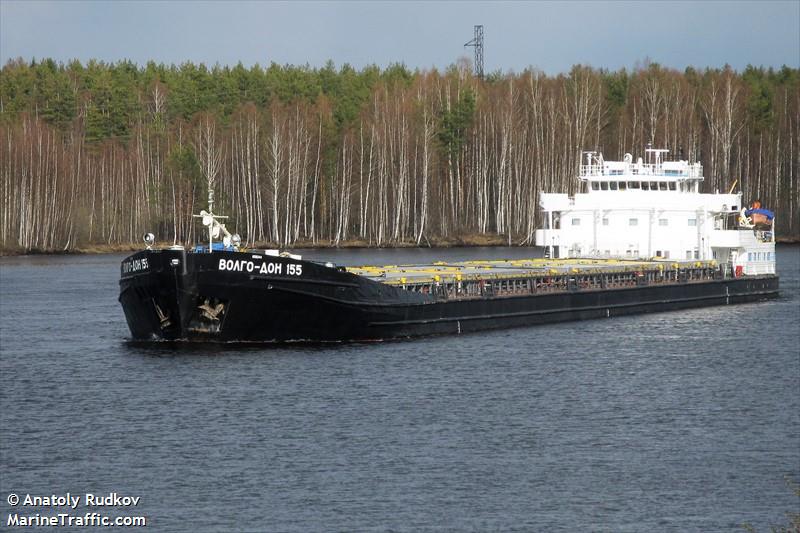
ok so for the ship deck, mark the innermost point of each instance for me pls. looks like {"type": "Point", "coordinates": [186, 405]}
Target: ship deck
{"type": "Point", "coordinates": [512, 268]}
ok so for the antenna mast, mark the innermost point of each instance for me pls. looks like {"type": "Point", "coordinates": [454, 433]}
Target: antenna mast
{"type": "Point", "coordinates": [477, 43]}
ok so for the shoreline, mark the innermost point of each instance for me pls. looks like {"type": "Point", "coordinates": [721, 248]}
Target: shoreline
{"type": "Point", "coordinates": [465, 241]}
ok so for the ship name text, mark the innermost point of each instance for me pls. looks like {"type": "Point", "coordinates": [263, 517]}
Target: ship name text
{"type": "Point", "coordinates": [135, 265]}
{"type": "Point", "coordinates": [241, 265]}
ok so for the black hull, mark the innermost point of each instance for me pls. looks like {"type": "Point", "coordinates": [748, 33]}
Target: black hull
{"type": "Point", "coordinates": [162, 297]}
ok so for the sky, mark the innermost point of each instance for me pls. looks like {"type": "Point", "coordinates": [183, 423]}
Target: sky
{"type": "Point", "coordinates": [549, 36]}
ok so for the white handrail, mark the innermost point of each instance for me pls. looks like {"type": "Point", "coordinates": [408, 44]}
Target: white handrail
{"type": "Point", "coordinates": [689, 171]}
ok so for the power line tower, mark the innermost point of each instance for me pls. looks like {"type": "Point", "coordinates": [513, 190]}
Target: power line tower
{"type": "Point", "coordinates": [477, 43]}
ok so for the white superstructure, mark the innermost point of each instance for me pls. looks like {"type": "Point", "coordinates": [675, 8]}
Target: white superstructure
{"type": "Point", "coordinates": [653, 209]}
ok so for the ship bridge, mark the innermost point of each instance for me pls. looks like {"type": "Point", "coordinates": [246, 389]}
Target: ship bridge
{"type": "Point", "coordinates": [652, 175]}
{"type": "Point", "coordinates": [652, 208]}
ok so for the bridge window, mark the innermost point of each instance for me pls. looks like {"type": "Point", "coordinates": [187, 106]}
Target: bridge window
{"type": "Point", "coordinates": [605, 222]}
{"type": "Point", "coordinates": [688, 254]}
{"type": "Point", "coordinates": [576, 222]}
{"type": "Point", "coordinates": [663, 222]}
{"type": "Point", "coordinates": [692, 221]}
{"type": "Point", "coordinates": [633, 221]}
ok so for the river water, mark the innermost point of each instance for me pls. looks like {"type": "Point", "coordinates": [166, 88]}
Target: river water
{"type": "Point", "coordinates": [680, 421]}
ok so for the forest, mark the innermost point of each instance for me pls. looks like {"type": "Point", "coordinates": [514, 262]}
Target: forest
{"type": "Point", "coordinates": [100, 153]}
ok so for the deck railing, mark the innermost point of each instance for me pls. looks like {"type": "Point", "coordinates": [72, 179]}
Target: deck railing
{"type": "Point", "coordinates": [689, 171]}
{"type": "Point", "coordinates": [447, 289]}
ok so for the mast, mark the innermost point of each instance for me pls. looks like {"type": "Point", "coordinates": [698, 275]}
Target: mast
{"type": "Point", "coordinates": [210, 212]}
{"type": "Point", "coordinates": [209, 219]}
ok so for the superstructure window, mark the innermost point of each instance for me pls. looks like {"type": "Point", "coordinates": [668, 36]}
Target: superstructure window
{"type": "Point", "coordinates": [633, 221]}
{"type": "Point", "coordinates": [672, 185]}
{"type": "Point", "coordinates": [663, 222]}
{"type": "Point", "coordinates": [605, 222]}
{"type": "Point", "coordinates": [633, 184]}
{"type": "Point", "coordinates": [603, 185]}
{"type": "Point", "coordinates": [692, 221]}
{"type": "Point", "coordinates": [576, 222]}
{"type": "Point", "coordinates": [653, 185]}
{"type": "Point", "coordinates": [595, 186]}
{"type": "Point", "coordinates": [612, 185]}
{"type": "Point", "coordinates": [623, 185]}
{"type": "Point", "coordinates": [662, 185]}
{"type": "Point", "coordinates": [645, 185]}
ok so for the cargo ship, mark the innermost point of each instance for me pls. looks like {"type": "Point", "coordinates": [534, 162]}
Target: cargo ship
{"type": "Point", "coordinates": [639, 238]}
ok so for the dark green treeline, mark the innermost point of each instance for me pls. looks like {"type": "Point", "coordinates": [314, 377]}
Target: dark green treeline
{"type": "Point", "coordinates": [100, 153]}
